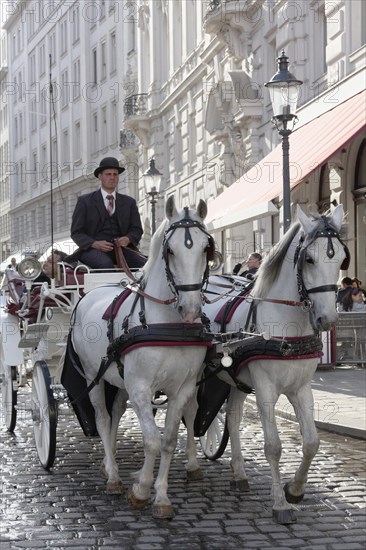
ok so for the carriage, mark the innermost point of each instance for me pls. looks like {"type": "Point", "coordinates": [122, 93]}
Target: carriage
{"type": "Point", "coordinates": [268, 344]}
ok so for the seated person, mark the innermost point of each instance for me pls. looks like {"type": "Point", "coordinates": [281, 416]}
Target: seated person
{"type": "Point", "coordinates": [346, 283]}
{"type": "Point", "coordinates": [105, 217]}
{"type": "Point", "coordinates": [253, 262]}
{"type": "Point", "coordinates": [352, 301]}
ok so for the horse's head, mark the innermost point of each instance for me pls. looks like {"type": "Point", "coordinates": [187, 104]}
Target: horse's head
{"type": "Point", "coordinates": [187, 248]}
{"type": "Point", "coordinates": [320, 255]}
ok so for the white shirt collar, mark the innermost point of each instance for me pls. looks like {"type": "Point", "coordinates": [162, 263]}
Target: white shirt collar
{"type": "Point", "coordinates": [104, 194]}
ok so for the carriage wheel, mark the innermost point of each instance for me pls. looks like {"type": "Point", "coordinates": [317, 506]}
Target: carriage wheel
{"type": "Point", "coordinates": [44, 414]}
{"type": "Point", "coordinates": [216, 438]}
{"type": "Point", "coordinates": [9, 394]}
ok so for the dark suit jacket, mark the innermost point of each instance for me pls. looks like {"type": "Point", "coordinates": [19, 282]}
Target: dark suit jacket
{"type": "Point", "coordinates": [90, 213]}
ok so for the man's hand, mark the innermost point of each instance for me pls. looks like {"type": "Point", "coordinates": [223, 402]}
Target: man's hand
{"type": "Point", "coordinates": [122, 241]}
{"type": "Point", "coordinates": [103, 246]}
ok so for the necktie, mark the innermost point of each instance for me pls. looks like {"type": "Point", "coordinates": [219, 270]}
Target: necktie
{"type": "Point", "coordinates": [110, 204]}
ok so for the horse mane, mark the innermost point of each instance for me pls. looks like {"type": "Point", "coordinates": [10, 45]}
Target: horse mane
{"type": "Point", "coordinates": [155, 247]}
{"type": "Point", "coordinates": [272, 263]}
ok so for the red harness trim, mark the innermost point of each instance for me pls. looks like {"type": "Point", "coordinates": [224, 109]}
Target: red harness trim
{"type": "Point", "coordinates": [277, 357]}
{"type": "Point", "coordinates": [166, 344]}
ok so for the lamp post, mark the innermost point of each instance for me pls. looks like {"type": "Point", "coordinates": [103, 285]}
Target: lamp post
{"type": "Point", "coordinates": [284, 90]}
{"type": "Point", "coordinates": [152, 181]}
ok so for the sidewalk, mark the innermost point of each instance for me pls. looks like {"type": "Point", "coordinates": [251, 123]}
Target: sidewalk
{"type": "Point", "coordinates": [339, 401]}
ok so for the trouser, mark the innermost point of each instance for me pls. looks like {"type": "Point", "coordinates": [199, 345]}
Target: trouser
{"type": "Point", "coordinates": [96, 259]}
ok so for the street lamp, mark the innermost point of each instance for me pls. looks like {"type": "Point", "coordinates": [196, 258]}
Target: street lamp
{"type": "Point", "coordinates": [152, 181]}
{"type": "Point", "coordinates": [284, 91]}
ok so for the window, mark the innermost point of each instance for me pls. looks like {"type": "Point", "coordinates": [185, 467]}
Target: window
{"type": "Point", "coordinates": [32, 69]}
{"type": "Point", "coordinates": [77, 141]}
{"type": "Point", "coordinates": [94, 66]}
{"type": "Point", "coordinates": [65, 149]}
{"type": "Point", "coordinates": [113, 53]}
{"type": "Point", "coordinates": [34, 169]}
{"type": "Point", "coordinates": [42, 220]}
{"type": "Point", "coordinates": [44, 164]}
{"type": "Point", "coordinates": [42, 59]}
{"type": "Point", "coordinates": [33, 224]}
{"type": "Point", "coordinates": [75, 24]}
{"type": "Point", "coordinates": [95, 132]}
{"type": "Point", "coordinates": [16, 131]}
{"type": "Point", "coordinates": [104, 127]}
{"type": "Point", "coordinates": [63, 37]}
{"type": "Point", "coordinates": [33, 115]}
{"type": "Point", "coordinates": [65, 88]}
{"type": "Point", "coordinates": [104, 60]}
{"type": "Point", "coordinates": [52, 47]}
{"type": "Point", "coordinates": [76, 79]}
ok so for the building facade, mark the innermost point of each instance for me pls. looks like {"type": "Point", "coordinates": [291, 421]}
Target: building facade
{"type": "Point", "coordinates": [6, 246]}
{"type": "Point", "coordinates": [183, 81]}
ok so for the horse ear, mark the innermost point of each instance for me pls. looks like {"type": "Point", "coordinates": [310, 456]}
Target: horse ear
{"type": "Point", "coordinates": [170, 209]}
{"type": "Point", "coordinates": [337, 215]}
{"type": "Point", "coordinates": [202, 209]}
{"type": "Point", "coordinates": [303, 219]}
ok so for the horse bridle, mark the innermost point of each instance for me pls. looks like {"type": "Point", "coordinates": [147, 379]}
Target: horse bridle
{"type": "Point", "coordinates": [329, 233]}
{"type": "Point", "coordinates": [186, 223]}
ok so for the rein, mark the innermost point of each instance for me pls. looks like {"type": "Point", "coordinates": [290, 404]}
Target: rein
{"type": "Point", "coordinates": [305, 304]}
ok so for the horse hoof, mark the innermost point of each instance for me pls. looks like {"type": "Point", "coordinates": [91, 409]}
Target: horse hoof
{"type": "Point", "coordinates": [134, 502]}
{"type": "Point", "coordinates": [284, 517]}
{"type": "Point", "coordinates": [163, 511]}
{"type": "Point", "coordinates": [195, 475]}
{"type": "Point", "coordinates": [292, 499]}
{"type": "Point", "coordinates": [241, 485]}
{"type": "Point", "coordinates": [114, 487]}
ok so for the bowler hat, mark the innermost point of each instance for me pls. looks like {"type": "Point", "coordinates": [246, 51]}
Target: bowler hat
{"type": "Point", "coordinates": [108, 162]}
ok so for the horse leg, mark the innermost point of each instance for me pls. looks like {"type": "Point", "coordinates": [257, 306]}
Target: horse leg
{"type": "Point", "coordinates": [139, 493]}
{"type": "Point", "coordinates": [303, 403]}
{"type": "Point", "coordinates": [194, 471]}
{"type": "Point", "coordinates": [162, 507]}
{"type": "Point", "coordinates": [118, 409]}
{"type": "Point", "coordinates": [282, 511]}
{"type": "Point", "coordinates": [234, 416]}
{"type": "Point", "coordinates": [103, 422]}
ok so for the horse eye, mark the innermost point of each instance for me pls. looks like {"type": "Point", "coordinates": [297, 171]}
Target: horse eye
{"type": "Point", "coordinates": [309, 260]}
{"type": "Point", "coordinates": [170, 252]}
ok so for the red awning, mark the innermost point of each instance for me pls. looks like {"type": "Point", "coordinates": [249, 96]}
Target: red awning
{"type": "Point", "coordinates": [310, 146]}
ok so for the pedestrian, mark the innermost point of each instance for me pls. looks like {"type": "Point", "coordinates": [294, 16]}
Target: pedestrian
{"type": "Point", "coordinates": [346, 283]}
{"type": "Point", "coordinates": [352, 301]}
{"type": "Point", "coordinates": [13, 264]}
{"type": "Point", "coordinates": [356, 283]}
{"type": "Point", "coordinates": [104, 218]}
{"type": "Point", "coordinates": [253, 262]}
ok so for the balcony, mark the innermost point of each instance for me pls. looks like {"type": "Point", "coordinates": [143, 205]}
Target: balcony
{"type": "Point", "coordinates": [135, 105]}
{"type": "Point", "coordinates": [136, 117]}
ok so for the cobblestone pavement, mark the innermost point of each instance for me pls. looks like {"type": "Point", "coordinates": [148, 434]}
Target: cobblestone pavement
{"type": "Point", "coordinates": [67, 508]}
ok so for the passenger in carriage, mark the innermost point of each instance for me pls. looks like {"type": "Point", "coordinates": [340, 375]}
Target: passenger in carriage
{"type": "Point", "coordinates": [13, 264]}
{"type": "Point", "coordinates": [105, 217]}
{"type": "Point", "coordinates": [253, 262]}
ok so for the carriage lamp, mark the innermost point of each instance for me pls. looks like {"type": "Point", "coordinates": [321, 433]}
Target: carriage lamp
{"type": "Point", "coordinates": [152, 181]}
{"type": "Point", "coordinates": [29, 268]}
{"type": "Point", "coordinates": [284, 90]}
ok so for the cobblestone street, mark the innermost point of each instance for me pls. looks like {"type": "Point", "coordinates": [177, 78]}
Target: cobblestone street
{"type": "Point", "coordinates": [67, 507]}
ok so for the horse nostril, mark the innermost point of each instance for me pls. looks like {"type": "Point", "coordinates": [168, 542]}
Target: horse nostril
{"type": "Point", "coordinates": [180, 309]}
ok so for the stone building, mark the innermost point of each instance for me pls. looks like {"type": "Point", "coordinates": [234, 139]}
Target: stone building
{"type": "Point", "coordinates": [183, 81]}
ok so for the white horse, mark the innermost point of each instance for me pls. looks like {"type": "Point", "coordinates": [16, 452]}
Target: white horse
{"type": "Point", "coordinates": [294, 296]}
{"type": "Point", "coordinates": [170, 292]}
